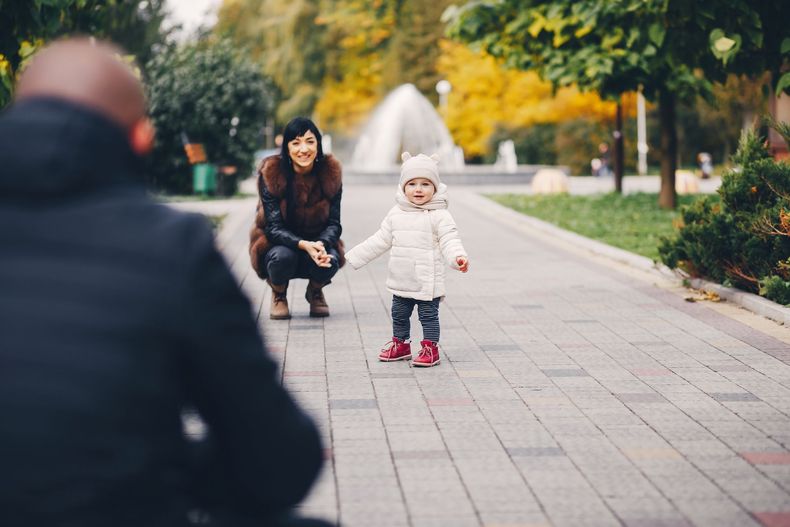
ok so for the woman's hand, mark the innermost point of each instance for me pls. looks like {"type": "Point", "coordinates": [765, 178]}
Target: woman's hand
{"type": "Point", "coordinates": [463, 263]}
{"type": "Point", "coordinates": [317, 252]}
{"type": "Point", "coordinates": [323, 256]}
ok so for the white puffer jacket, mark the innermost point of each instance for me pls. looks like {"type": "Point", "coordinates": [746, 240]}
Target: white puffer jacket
{"type": "Point", "coordinates": [422, 240]}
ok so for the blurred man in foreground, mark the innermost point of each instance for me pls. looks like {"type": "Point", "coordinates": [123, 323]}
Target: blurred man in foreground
{"type": "Point", "coordinates": [115, 314]}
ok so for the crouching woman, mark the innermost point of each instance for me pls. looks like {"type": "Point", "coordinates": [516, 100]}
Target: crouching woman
{"type": "Point", "coordinates": [297, 222]}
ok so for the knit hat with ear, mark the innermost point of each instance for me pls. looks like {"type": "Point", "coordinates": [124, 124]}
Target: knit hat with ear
{"type": "Point", "coordinates": [419, 166]}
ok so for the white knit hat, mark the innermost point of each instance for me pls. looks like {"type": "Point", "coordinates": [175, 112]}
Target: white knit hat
{"type": "Point", "coordinates": [419, 166]}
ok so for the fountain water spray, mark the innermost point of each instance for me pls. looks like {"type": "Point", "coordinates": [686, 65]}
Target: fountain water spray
{"type": "Point", "coordinates": [405, 121]}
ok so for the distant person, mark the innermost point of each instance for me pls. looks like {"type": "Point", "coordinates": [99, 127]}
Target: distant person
{"type": "Point", "coordinates": [423, 238]}
{"type": "Point", "coordinates": [705, 162]}
{"type": "Point", "coordinates": [297, 222]}
{"type": "Point", "coordinates": [603, 156]}
{"type": "Point", "coordinates": [116, 314]}
{"type": "Point", "coordinates": [595, 166]}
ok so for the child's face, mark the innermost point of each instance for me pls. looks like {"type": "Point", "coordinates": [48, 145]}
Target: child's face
{"type": "Point", "coordinates": [419, 190]}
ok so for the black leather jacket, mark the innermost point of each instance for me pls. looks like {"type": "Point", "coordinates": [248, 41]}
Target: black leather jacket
{"type": "Point", "coordinates": [280, 231]}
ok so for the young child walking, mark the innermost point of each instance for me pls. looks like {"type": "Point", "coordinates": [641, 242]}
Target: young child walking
{"type": "Point", "coordinates": [422, 237]}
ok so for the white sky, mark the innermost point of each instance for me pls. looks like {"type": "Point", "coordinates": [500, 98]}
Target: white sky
{"type": "Point", "coordinates": [192, 13]}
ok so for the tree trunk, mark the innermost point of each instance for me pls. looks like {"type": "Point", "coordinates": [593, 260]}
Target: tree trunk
{"type": "Point", "coordinates": [667, 198]}
{"type": "Point", "coordinates": [619, 150]}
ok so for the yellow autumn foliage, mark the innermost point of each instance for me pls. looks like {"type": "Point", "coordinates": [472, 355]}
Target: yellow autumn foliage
{"type": "Point", "coordinates": [352, 84]}
{"type": "Point", "coordinates": [485, 95]}
{"type": "Point", "coordinates": [345, 104]}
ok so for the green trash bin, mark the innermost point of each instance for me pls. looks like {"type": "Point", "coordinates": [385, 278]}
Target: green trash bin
{"type": "Point", "coordinates": [204, 178]}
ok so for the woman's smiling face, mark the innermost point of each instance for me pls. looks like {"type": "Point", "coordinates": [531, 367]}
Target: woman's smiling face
{"type": "Point", "coordinates": [419, 190]}
{"type": "Point", "coordinates": [303, 149]}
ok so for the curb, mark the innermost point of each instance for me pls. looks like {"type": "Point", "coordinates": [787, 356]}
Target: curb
{"type": "Point", "coordinates": [754, 303]}
{"type": "Point", "coordinates": [751, 302]}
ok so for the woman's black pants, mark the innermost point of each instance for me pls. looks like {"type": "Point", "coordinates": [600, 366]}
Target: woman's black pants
{"type": "Point", "coordinates": [283, 263]}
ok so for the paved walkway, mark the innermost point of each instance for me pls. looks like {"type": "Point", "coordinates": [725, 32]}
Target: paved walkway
{"type": "Point", "coordinates": [572, 391]}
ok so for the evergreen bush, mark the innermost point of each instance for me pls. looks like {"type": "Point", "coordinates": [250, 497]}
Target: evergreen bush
{"type": "Point", "coordinates": [212, 92]}
{"type": "Point", "coordinates": [743, 241]}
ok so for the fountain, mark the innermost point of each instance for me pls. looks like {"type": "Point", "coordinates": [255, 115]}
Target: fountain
{"type": "Point", "coordinates": [405, 121]}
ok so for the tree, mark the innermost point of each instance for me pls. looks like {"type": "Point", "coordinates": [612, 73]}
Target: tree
{"type": "Point", "coordinates": [373, 47]}
{"type": "Point", "coordinates": [670, 49]}
{"type": "Point", "coordinates": [715, 128]}
{"type": "Point", "coordinates": [212, 92]}
{"type": "Point", "coordinates": [413, 51]}
{"type": "Point", "coordinates": [358, 34]}
{"type": "Point", "coordinates": [336, 59]}
{"type": "Point", "coordinates": [486, 96]}
{"type": "Point", "coordinates": [26, 25]}
{"type": "Point", "coordinates": [135, 26]}
{"type": "Point", "coordinates": [287, 38]}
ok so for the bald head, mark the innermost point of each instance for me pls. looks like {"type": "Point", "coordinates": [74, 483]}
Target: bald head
{"type": "Point", "coordinates": [86, 72]}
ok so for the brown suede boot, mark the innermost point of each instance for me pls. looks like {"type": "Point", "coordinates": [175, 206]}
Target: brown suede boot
{"type": "Point", "coordinates": [279, 309]}
{"type": "Point", "coordinates": [315, 296]}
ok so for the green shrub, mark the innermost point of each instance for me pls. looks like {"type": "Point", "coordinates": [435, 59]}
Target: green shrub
{"type": "Point", "coordinates": [212, 92]}
{"type": "Point", "coordinates": [745, 240]}
{"type": "Point", "coordinates": [777, 289]}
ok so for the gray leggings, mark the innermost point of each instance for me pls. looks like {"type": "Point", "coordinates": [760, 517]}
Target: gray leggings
{"type": "Point", "coordinates": [427, 311]}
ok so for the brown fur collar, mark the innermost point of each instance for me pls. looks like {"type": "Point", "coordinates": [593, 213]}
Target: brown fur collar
{"type": "Point", "coordinates": [313, 194]}
{"type": "Point", "coordinates": [328, 172]}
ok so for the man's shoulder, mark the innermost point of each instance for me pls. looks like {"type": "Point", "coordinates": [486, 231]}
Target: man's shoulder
{"type": "Point", "coordinates": [163, 227]}
{"type": "Point", "coordinates": [147, 210]}
{"type": "Point", "coordinates": [176, 222]}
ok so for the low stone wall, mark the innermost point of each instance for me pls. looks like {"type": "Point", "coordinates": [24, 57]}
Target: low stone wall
{"type": "Point", "coordinates": [471, 175]}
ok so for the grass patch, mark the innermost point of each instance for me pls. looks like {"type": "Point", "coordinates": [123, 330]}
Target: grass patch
{"type": "Point", "coordinates": [633, 222]}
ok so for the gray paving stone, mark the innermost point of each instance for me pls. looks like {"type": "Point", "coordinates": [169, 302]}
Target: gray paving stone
{"type": "Point", "coordinates": [657, 522]}
{"type": "Point", "coordinates": [352, 404]}
{"type": "Point", "coordinates": [641, 398]}
{"type": "Point", "coordinates": [580, 385]}
{"type": "Point", "coordinates": [535, 451]}
{"type": "Point", "coordinates": [734, 397]}
{"type": "Point", "coordinates": [444, 520]}
{"type": "Point", "coordinates": [565, 372]}
{"type": "Point", "coordinates": [391, 376]}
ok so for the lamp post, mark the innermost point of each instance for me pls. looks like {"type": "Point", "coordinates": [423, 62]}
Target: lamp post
{"type": "Point", "coordinates": [443, 88]}
{"type": "Point", "coordinates": [641, 134]}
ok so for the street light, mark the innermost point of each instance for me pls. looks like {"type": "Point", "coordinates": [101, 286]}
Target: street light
{"type": "Point", "coordinates": [641, 134]}
{"type": "Point", "coordinates": [443, 88]}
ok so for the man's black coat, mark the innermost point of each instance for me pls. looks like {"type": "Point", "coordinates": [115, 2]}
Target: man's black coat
{"type": "Point", "coordinates": [116, 313]}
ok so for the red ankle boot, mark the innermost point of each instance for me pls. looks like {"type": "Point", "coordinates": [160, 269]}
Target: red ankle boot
{"type": "Point", "coordinates": [429, 355]}
{"type": "Point", "coordinates": [396, 349]}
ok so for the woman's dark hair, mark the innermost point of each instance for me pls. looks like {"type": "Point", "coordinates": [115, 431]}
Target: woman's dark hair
{"type": "Point", "coordinates": [297, 127]}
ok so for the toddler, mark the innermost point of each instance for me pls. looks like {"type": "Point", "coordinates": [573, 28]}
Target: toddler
{"type": "Point", "coordinates": [422, 235]}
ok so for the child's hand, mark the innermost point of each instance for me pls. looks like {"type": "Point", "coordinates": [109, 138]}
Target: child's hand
{"type": "Point", "coordinates": [463, 263]}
